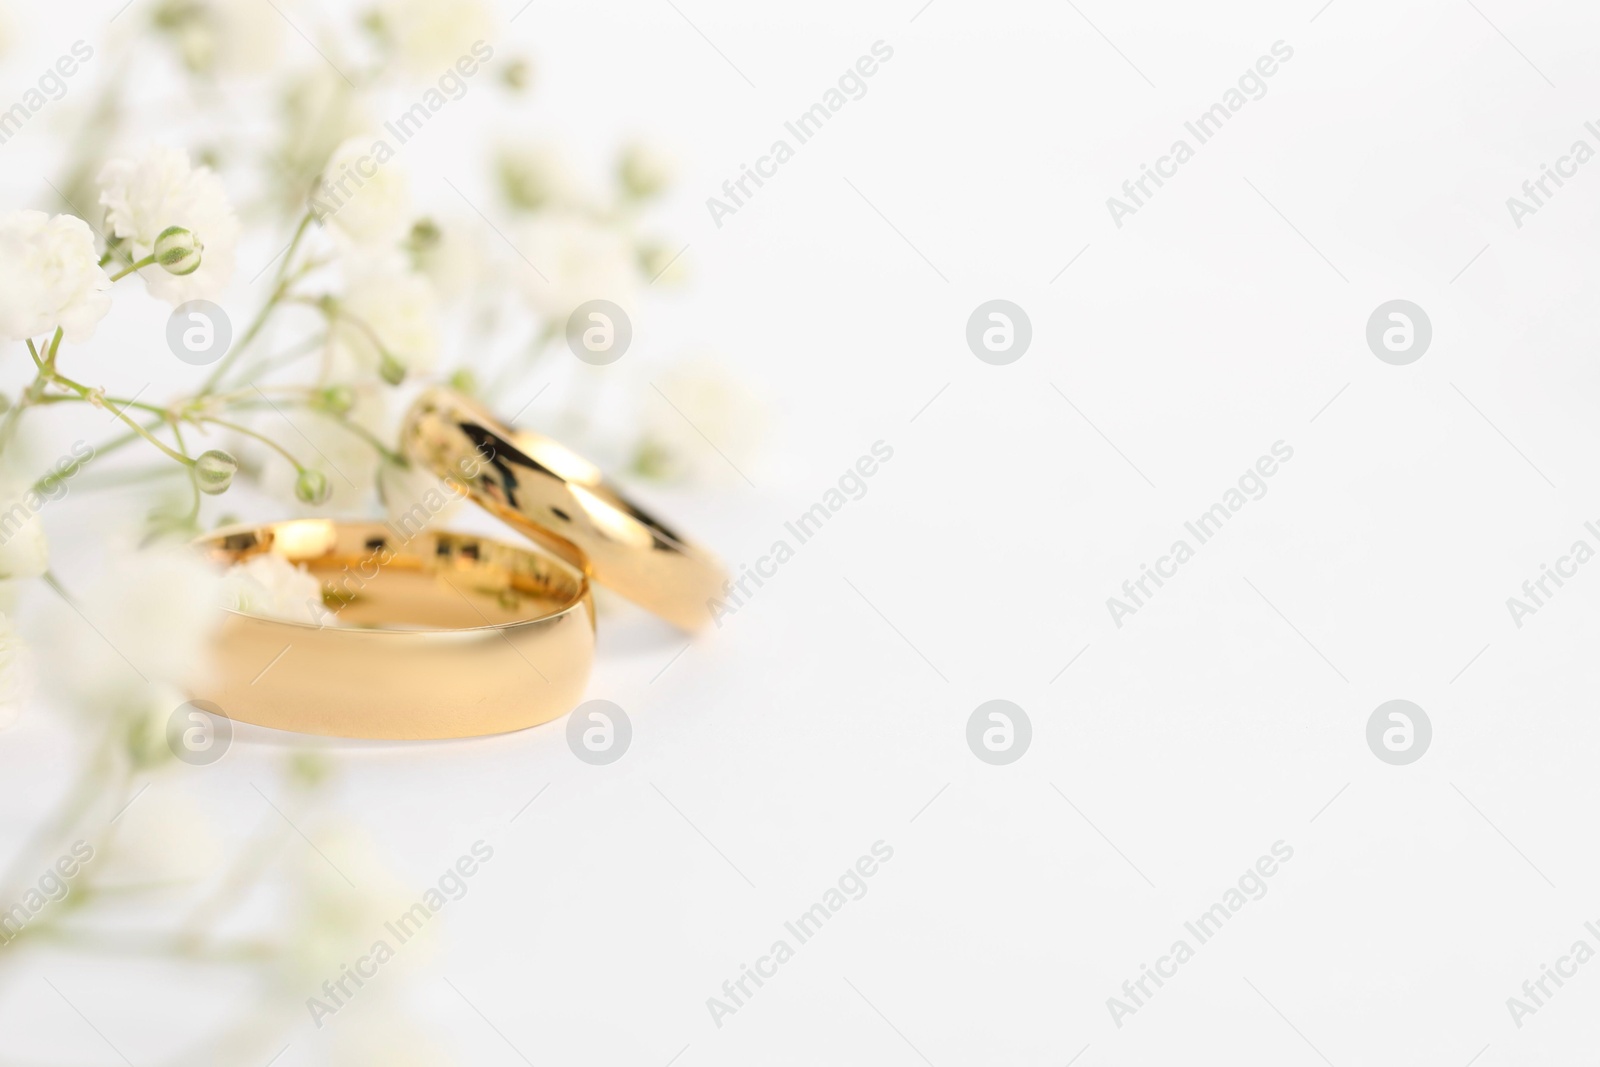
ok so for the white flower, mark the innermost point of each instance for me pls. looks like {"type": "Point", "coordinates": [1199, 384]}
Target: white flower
{"type": "Point", "coordinates": [580, 259]}
{"type": "Point", "coordinates": [385, 310]}
{"type": "Point", "coordinates": [270, 585]}
{"type": "Point", "coordinates": [50, 276]}
{"type": "Point", "coordinates": [429, 36]}
{"type": "Point", "coordinates": [24, 552]}
{"type": "Point", "coordinates": [144, 197]}
{"type": "Point", "coordinates": [364, 193]}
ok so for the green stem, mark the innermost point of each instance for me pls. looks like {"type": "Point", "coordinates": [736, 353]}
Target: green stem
{"type": "Point", "coordinates": [147, 261]}
{"type": "Point", "coordinates": [85, 393]}
{"type": "Point", "coordinates": [194, 478]}
{"type": "Point", "coordinates": [280, 286]}
{"type": "Point", "coordinates": [362, 432]}
{"type": "Point", "coordinates": [269, 442]}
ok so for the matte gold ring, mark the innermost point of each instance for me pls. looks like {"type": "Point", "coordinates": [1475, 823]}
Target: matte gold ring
{"type": "Point", "coordinates": [561, 500]}
{"type": "Point", "coordinates": [423, 635]}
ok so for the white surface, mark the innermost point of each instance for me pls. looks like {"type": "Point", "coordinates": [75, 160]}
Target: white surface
{"type": "Point", "coordinates": [1194, 737]}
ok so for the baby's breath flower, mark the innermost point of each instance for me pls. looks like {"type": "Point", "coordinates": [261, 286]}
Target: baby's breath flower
{"type": "Point", "coordinates": [270, 585]}
{"type": "Point", "coordinates": [364, 194]}
{"type": "Point", "coordinates": [50, 276]}
{"type": "Point", "coordinates": [429, 36]}
{"type": "Point", "coordinates": [146, 198]}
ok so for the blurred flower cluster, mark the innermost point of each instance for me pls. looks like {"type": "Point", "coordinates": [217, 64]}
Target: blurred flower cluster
{"type": "Point", "coordinates": [274, 175]}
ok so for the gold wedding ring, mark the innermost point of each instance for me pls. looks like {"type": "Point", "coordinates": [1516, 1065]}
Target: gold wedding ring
{"type": "Point", "coordinates": [423, 635]}
{"type": "Point", "coordinates": [561, 501]}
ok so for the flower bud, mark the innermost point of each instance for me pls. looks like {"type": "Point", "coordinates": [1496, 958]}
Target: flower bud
{"type": "Point", "coordinates": [214, 471]}
{"type": "Point", "coordinates": [335, 399]}
{"type": "Point", "coordinates": [645, 171]}
{"type": "Point", "coordinates": [425, 235]}
{"type": "Point", "coordinates": [517, 75]}
{"type": "Point", "coordinates": [391, 370]}
{"type": "Point", "coordinates": [311, 487]}
{"type": "Point", "coordinates": [660, 263]}
{"type": "Point", "coordinates": [178, 250]}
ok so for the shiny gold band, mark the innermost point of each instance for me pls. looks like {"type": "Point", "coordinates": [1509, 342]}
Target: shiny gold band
{"type": "Point", "coordinates": [561, 500]}
{"type": "Point", "coordinates": [425, 635]}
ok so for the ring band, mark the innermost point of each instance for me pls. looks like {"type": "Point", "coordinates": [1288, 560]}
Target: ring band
{"type": "Point", "coordinates": [434, 634]}
{"type": "Point", "coordinates": [560, 500]}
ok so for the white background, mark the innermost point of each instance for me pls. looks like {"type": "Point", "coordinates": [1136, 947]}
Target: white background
{"type": "Point", "coordinates": [1172, 752]}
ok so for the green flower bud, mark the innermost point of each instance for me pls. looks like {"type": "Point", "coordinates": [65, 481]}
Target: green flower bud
{"type": "Point", "coordinates": [335, 399]}
{"type": "Point", "coordinates": [178, 251]}
{"type": "Point", "coordinates": [311, 487]}
{"type": "Point", "coordinates": [391, 370]}
{"type": "Point", "coordinates": [425, 235]}
{"type": "Point", "coordinates": [517, 75]}
{"type": "Point", "coordinates": [644, 171]}
{"type": "Point", "coordinates": [660, 263]}
{"type": "Point", "coordinates": [214, 471]}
